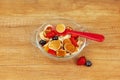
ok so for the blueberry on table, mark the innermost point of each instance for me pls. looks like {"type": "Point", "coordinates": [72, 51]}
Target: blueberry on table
{"type": "Point", "coordinates": [55, 38]}
{"type": "Point", "coordinates": [88, 63]}
{"type": "Point", "coordinates": [42, 42]}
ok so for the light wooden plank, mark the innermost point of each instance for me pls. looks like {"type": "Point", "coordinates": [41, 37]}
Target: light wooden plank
{"type": "Point", "coordinates": [99, 70]}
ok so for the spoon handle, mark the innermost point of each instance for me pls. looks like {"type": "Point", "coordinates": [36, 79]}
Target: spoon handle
{"type": "Point", "coordinates": [92, 36]}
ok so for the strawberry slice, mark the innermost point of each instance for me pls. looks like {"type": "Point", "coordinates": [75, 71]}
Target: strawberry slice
{"type": "Point", "coordinates": [52, 52]}
{"type": "Point", "coordinates": [81, 60]}
{"type": "Point", "coordinates": [74, 41]}
{"type": "Point", "coordinates": [55, 33]}
{"type": "Point", "coordinates": [50, 34]}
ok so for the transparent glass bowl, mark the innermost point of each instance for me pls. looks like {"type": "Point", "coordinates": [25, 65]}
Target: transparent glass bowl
{"type": "Point", "coordinates": [67, 22]}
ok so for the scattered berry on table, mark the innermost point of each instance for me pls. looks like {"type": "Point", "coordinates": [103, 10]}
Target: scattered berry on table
{"type": "Point", "coordinates": [81, 61]}
{"type": "Point", "coordinates": [88, 63]}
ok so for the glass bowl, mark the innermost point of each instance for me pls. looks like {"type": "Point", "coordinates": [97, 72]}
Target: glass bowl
{"type": "Point", "coordinates": [74, 25]}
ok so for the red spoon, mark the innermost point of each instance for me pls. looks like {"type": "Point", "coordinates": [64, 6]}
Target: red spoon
{"type": "Point", "coordinates": [92, 36]}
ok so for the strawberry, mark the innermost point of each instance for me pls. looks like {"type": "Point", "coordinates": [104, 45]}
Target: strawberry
{"type": "Point", "coordinates": [81, 61]}
{"type": "Point", "coordinates": [52, 52]}
{"type": "Point", "coordinates": [50, 34]}
{"type": "Point", "coordinates": [74, 41]}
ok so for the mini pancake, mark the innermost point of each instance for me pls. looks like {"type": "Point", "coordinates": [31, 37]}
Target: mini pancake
{"type": "Point", "coordinates": [69, 47]}
{"type": "Point", "coordinates": [60, 28]}
{"type": "Point", "coordinates": [66, 41]}
{"type": "Point", "coordinates": [61, 53]}
{"type": "Point", "coordinates": [54, 44]}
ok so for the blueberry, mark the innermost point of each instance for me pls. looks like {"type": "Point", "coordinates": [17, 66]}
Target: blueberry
{"type": "Point", "coordinates": [42, 42]}
{"type": "Point", "coordinates": [55, 38]}
{"type": "Point", "coordinates": [88, 63]}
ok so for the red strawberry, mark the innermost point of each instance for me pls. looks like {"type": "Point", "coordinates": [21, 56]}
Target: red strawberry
{"type": "Point", "coordinates": [50, 34]}
{"type": "Point", "coordinates": [74, 41]}
{"type": "Point", "coordinates": [81, 61]}
{"type": "Point", "coordinates": [52, 52]}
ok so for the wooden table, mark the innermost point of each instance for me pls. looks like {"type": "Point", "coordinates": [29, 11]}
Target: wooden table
{"type": "Point", "coordinates": [20, 60]}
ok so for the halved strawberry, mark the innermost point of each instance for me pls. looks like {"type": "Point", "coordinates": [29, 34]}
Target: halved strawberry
{"type": "Point", "coordinates": [52, 52]}
{"type": "Point", "coordinates": [74, 41]}
{"type": "Point", "coordinates": [50, 34]}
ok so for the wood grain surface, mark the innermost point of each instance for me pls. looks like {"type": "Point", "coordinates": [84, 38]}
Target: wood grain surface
{"type": "Point", "coordinates": [20, 60]}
